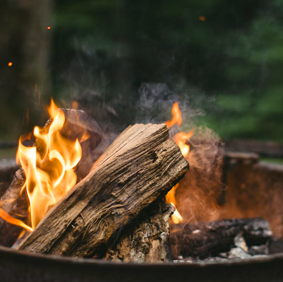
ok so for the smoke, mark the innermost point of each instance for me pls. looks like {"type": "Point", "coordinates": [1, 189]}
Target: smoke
{"type": "Point", "coordinates": [199, 192]}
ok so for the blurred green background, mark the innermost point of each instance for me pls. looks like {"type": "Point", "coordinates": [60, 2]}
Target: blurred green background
{"type": "Point", "coordinates": [224, 59]}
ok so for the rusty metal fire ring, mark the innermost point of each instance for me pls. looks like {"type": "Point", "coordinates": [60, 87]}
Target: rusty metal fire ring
{"type": "Point", "coordinates": [20, 266]}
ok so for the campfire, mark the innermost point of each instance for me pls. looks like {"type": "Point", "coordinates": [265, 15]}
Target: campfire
{"type": "Point", "coordinates": [145, 198]}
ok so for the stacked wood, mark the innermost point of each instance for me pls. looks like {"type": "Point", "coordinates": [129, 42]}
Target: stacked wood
{"type": "Point", "coordinates": [147, 239]}
{"type": "Point", "coordinates": [211, 238]}
{"type": "Point", "coordinates": [141, 166]}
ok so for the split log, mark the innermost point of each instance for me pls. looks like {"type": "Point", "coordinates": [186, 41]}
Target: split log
{"type": "Point", "coordinates": [211, 238]}
{"type": "Point", "coordinates": [147, 239]}
{"type": "Point", "coordinates": [77, 124]}
{"type": "Point", "coordinates": [141, 165]}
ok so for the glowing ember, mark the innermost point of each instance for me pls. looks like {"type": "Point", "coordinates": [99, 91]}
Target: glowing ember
{"type": "Point", "coordinates": [48, 167]}
{"type": "Point", "coordinates": [49, 27]}
{"type": "Point", "coordinates": [180, 139]}
{"type": "Point", "coordinates": [10, 64]}
{"type": "Point", "coordinates": [202, 18]}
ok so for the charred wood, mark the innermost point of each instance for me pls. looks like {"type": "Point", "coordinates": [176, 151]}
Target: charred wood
{"type": "Point", "coordinates": [7, 172]}
{"type": "Point", "coordinates": [16, 204]}
{"type": "Point", "coordinates": [147, 239]}
{"type": "Point", "coordinates": [211, 238]}
{"type": "Point", "coordinates": [141, 165]}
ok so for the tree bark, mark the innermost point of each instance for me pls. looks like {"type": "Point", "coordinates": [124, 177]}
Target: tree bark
{"type": "Point", "coordinates": [141, 165]}
{"type": "Point", "coordinates": [211, 238]}
{"type": "Point", "coordinates": [147, 240]}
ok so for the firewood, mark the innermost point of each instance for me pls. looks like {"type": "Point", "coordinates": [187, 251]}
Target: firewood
{"type": "Point", "coordinates": [77, 124]}
{"type": "Point", "coordinates": [211, 238]}
{"type": "Point", "coordinates": [147, 240]}
{"type": "Point", "coordinates": [140, 166]}
{"type": "Point", "coordinates": [16, 204]}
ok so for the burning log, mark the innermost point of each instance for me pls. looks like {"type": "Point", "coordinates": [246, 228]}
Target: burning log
{"type": "Point", "coordinates": [141, 165]}
{"type": "Point", "coordinates": [78, 125]}
{"type": "Point", "coordinates": [147, 240]}
{"type": "Point", "coordinates": [211, 238]}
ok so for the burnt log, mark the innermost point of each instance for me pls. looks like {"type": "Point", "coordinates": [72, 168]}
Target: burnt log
{"type": "Point", "coordinates": [147, 239]}
{"type": "Point", "coordinates": [15, 202]}
{"type": "Point", "coordinates": [211, 238]}
{"type": "Point", "coordinates": [7, 173]}
{"type": "Point", "coordinates": [140, 166]}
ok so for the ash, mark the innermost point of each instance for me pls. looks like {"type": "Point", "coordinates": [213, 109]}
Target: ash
{"type": "Point", "coordinates": [238, 251]}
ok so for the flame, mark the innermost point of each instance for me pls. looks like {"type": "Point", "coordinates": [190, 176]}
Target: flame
{"type": "Point", "coordinates": [177, 117]}
{"type": "Point", "coordinates": [14, 221]}
{"type": "Point", "coordinates": [10, 64]}
{"type": "Point", "coordinates": [48, 167]}
{"type": "Point", "coordinates": [170, 198]}
{"type": "Point", "coordinates": [180, 139]}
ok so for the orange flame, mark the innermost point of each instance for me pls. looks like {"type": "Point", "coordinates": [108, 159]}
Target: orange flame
{"type": "Point", "coordinates": [180, 139]}
{"type": "Point", "coordinates": [14, 221]}
{"type": "Point", "coordinates": [177, 117]}
{"type": "Point", "coordinates": [48, 167]}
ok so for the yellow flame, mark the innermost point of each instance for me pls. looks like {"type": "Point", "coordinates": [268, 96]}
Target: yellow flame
{"type": "Point", "coordinates": [49, 166]}
{"type": "Point", "coordinates": [180, 139]}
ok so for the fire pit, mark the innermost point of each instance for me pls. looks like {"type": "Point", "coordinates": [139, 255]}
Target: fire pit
{"type": "Point", "coordinates": [78, 212]}
{"type": "Point", "coordinates": [22, 266]}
